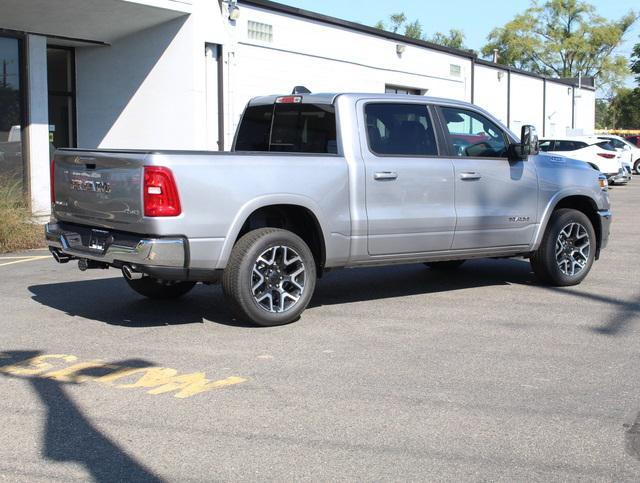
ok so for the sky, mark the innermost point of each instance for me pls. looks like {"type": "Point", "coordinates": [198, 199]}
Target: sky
{"type": "Point", "coordinates": [475, 18]}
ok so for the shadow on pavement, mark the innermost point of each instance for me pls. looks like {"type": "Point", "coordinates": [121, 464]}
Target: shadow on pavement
{"type": "Point", "coordinates": [70, 437]}
{"type": "Point", "coordinates": [110, 300]}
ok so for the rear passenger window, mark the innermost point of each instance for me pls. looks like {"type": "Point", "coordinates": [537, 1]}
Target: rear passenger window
{"type": "Point", "coordinates": [567, 146]}
{"type": "Point", "coordinates": [471, 134]}
{"type": "Point", "coordinates": [290, 128]}
{"type": "Point", "coordinates": [395, 129]}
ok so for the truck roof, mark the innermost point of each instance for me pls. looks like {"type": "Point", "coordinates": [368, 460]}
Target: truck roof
{"type": "Point", "coordinates": [329, 98]}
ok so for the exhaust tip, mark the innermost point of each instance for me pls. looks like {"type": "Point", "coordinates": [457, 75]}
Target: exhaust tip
{"type": "Point", "coordinates": [61, 257]}
{"type": "Point", "coordinates": [130, 274]}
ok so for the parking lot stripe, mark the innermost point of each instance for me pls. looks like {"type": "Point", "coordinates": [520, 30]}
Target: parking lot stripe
{"type": "Point", "coordinates": [22, 260]}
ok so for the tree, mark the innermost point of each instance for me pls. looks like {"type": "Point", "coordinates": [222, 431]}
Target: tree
{"type": "Point", "coordinates": [563, 38]}
{"type": "Point", "coordinates": [398, 22]}
{"type": "Point", "coordinates": [454, 39]}
{"type": "Point", "coordinates": [620, 112]}
{"type": "Point", "coordinates": [635, 62]}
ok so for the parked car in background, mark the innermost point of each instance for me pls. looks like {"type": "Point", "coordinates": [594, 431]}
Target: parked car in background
{"type": "Point", "coordinates": [599, 153]}
{"type": "Point", "coordinates": [635, 140]}
{"type": "Point", "coordinates": [630, 152]}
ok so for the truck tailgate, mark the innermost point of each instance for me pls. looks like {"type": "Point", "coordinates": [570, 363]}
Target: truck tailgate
{"type": "Point", "coordinates": [103, 187]}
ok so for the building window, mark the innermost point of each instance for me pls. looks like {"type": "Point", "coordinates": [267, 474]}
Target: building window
{"type": "Point", "coordinates": [260, 31]}
{"type": "Point", "coordinates": [455, 70]}
{"type": "Point", "coordinates": [61, 83]}
{"type": "Point", "coordinates": [389, 89]}
{"type": "Point", "coordinates": [11, 114]}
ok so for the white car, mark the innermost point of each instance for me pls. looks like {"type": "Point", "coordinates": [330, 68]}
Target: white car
{"type": "Point", "coordinates": [599, 153]}
{"type": "Point", "coordinates": [631, 152]}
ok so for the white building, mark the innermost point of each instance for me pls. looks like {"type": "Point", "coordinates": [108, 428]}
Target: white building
{"type": "Point", "coordinates": [176, 74]}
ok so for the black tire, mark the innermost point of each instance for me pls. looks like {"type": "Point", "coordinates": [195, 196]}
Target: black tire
{"type": "Point", "coordinates": [636, 166]}
{"type": "Point", "coordinates": [445, 266]}
{"type": "Point", "coordinates": [544, 262]}
{"type": "Point", "coordinates": [159, 290]}
{"type": "Point", "coordinates": [239, 278]}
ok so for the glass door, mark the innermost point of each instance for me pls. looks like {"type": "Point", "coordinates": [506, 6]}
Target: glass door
{"type": "Point", "coordinates": [61, 81]}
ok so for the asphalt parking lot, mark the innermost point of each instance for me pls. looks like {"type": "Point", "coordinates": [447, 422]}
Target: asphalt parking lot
{"type": "Point", "coordinates": [396, 373]}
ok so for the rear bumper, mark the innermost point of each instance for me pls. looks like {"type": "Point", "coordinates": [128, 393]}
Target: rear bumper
{"type": "Point", "coordinates": [605, 226]}
{"type": "Point", "coordinates": [118, 249]}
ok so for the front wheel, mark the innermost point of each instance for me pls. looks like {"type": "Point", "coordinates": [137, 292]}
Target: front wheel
{"type": "Point", "coordinates": [567, 251]}
{"type": "Point", "coordinates": [636, 167]}
{"type": "Point", "coordinates": [270, 277]}
{"type": "Point", "coordinates": [159, 289]}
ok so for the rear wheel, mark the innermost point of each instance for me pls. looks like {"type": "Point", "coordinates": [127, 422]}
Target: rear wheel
{"type": "Point", "coordinates": [448, 265]}
{"type": "Point", "coordinates": [568, 249]}
{"type": "Point", "coordinates": [636, 167]}
{"type": "Point", "coordinates": [270, 277]}
{"type": "Point", "coordinates": [159, 289]}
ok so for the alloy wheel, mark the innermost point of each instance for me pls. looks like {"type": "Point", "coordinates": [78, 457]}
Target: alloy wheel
{"type": "Point", "coordinates": [278, 279]}
{"type": "Point", "coordinates": [572, 249]}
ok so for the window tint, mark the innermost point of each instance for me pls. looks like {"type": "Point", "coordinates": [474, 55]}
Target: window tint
{"type": "Point", "coordinates": [606, 145]}
{"type": "Point", "coordinates": [400, 129]}
{"type": "Point", "coordinates": [546, 145]}
{"type": "Point", "coordinates": [472, 134]}
{"type": "Point", "coordinates": [292, 128]}
{"type": "Point", "coordinates": [567, 146]}
{"type": "Point", "coordinates": [255, 128]}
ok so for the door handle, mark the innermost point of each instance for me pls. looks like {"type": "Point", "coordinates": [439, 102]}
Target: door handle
{"type": "Point", "coordinates": [470, 175]}
{"type": "Point", "coordinates": [385, 175]}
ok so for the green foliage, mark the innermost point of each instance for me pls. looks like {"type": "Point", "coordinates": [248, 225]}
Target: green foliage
{"type": "Point", "coordinates": [621, 112]}
{"type": "Point", "coordinates": [413, 30]}
{"type": "Point", "coordinates": [17, 231]}
{"type": "Point", "coordinates": [453, 39]}
{"type": "Point", "coordinates": [635, 62]}
{"type": "Point", "coordinates": [563, 38]}
{"type": "Point", "coordinates": [398, 22]}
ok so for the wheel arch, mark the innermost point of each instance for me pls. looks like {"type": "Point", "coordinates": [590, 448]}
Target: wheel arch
{"type": "Point", "coordinates": [579, 202]}
{"type": "Point", "coordinates": [298, 215]}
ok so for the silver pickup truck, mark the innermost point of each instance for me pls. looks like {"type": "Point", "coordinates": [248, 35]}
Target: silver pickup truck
{"type": "Point", "coordinates": [321, 181]}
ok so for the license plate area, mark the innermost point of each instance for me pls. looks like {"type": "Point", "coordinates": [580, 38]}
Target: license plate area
{"type": "Point", "coordinates": [100, 240]}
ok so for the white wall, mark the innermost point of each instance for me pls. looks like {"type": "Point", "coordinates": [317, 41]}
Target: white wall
{"type": "Point", "coordinates": [490, 90]}
{"type": "Point", "coordinates": [558, 109]}
{"type": "Point", "coordinates": [149, 89]}
{"type": "Point", "coordinates": [585, 110]}
{"type": "Point", "coordinates": [328, 58]}
{"type": "Point", "coordinates": [527, 99]}
{"type": "Point", "coordinates": [37, 131]}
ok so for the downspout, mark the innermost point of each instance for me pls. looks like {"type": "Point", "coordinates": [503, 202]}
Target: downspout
{"type": "Point", "coordinates": [544, 107]}
{"type": "Point", "coordinates": [509, 99]}
{"type": "Point", "coordinates": [473, 78]}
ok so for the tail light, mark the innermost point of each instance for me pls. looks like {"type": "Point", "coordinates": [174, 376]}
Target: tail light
{"type": "Point", "coordinates": [52, 181]}
{"type": "Point", "coordinates": [160, 192]}
{"type": "Point", "coordinates": [606, 155]}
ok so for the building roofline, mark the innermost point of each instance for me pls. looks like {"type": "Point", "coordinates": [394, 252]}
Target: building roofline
{"type": "Point", "coordinates": [299, 12]}
{"type": "Point", "coordinates": [467, 54]}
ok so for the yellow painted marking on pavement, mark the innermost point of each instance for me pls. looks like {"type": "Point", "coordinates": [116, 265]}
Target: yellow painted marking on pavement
{"type": "Point", "coordinates": [158, 380]}
{"type": "Point", "coordinates": [29, 259]}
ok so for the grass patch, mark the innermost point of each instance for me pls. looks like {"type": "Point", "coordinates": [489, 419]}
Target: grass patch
{"type": "Point", "coordinates": [17, 229]}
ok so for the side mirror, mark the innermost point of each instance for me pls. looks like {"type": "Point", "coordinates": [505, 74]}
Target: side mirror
{"type": "Point", "coordinates": [529, 144]}
{"type": "Point", "coordinates": [529, 140]}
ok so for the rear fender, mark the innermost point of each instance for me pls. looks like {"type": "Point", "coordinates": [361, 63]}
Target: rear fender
{"type": "Point", "coordinates": [262, 202]}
